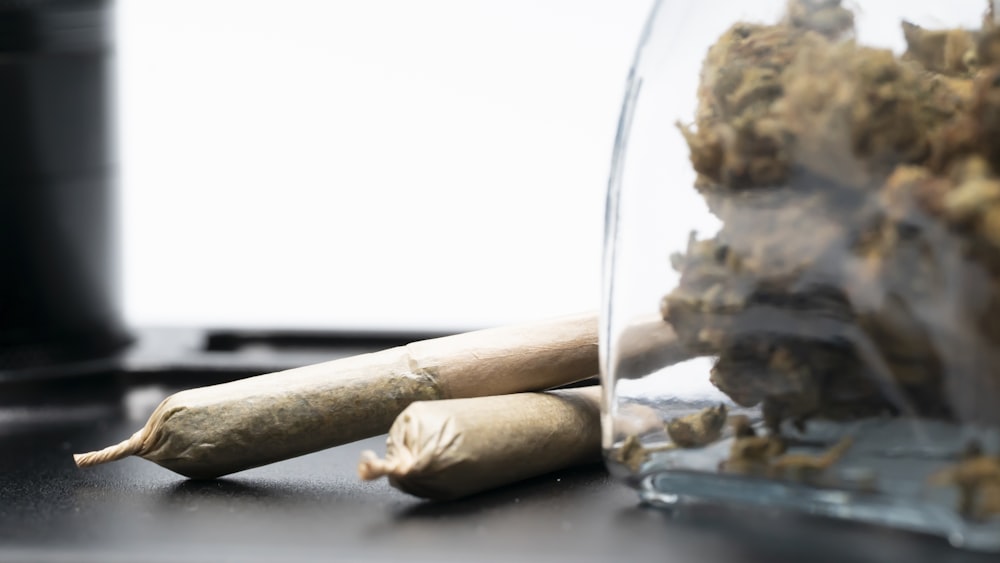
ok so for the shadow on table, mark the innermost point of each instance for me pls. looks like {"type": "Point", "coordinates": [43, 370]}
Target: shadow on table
{"type": "Point", "coordinates": [538, 490]}
{"type": "Point", "coordinates": [221, 488]}
{"type": "Point", "coordinates": [257, 495]}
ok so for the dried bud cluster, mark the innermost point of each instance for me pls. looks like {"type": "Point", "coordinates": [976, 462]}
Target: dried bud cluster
{"type": "Point", "coordinates": [857, 271]}
{"type": "Point", "coordinates": [977, 478]}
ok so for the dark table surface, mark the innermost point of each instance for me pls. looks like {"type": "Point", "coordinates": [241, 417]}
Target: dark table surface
{"type": "Point", "coordinates": [315, 508]}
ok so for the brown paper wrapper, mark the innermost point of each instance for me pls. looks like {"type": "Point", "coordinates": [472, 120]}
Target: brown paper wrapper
{"type": "Point", "coordinates": [450, 449]}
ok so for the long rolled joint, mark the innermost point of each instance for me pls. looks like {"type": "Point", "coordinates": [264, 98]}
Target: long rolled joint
{"type": "Point", "coordinates": [450, 449]}
{"type": "Point", "coordinates": [213, 431]}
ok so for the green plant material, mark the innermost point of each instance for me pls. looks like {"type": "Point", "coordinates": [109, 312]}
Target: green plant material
{"type": "Point", "coordinates": [857, 271]}
{"type": "Point", "coordinates": [976, 476]}
{"type": "Point", "coordinates": [767, 455]}
{"type": "Point", "coordinates": [698, 429]}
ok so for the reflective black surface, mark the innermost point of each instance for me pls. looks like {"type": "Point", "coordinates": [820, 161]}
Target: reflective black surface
{"type": "Point", "coordinates": [315, 508]}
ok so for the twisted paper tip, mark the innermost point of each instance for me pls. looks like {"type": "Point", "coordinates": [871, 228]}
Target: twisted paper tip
{"type": "Point", "coordinates": [372, 467]}
{"type": "Point", "coordinates": [110, 453]}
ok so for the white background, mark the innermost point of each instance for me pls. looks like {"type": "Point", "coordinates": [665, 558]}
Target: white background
{"type": "Point", "coordinates": [367, 163]}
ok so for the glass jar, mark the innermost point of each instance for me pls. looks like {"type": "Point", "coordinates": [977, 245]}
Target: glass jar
{"type": "Point", "coordinates": [802, 262]}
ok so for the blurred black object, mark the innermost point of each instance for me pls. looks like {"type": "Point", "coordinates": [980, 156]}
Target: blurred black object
{"type": "Point", "coordinates": [59, 313]}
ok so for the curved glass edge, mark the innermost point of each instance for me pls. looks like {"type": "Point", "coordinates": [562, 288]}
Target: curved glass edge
{"type": "Point", "coordinates": [633, 87]}
{"type": "Point", "coordinates": [669, 489]}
